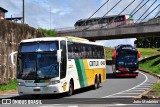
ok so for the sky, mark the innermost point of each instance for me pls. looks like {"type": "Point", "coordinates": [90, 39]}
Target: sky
{"type": "Point", "coordinates": [56, 14]}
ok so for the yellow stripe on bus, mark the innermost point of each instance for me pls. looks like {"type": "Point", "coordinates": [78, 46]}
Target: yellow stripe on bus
{"type": "Point", "coordinates": [89, 73]}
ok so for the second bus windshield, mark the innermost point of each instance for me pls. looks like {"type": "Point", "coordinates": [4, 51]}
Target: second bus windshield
{"type": "Point", "coordinates": [127, 59]}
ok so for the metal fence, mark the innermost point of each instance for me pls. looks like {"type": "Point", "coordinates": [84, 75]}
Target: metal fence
{"type": "Point", "coordinates": [110, 25]}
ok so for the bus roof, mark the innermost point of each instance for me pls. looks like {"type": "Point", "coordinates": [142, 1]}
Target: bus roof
{"type": "Point", "coordinates": [125, 47]}
{"type": "Point", "coordinates": [42, 39]}
{"type": "Point", "coordinates": [68, 38]}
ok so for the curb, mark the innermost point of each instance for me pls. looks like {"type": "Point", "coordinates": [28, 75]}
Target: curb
{"type": "Point", "coordinates": [145, 59]}
{"type": "Point", "coordinates": [153, 74]}
{"type": "Point", "coordinates": [8, 92]}
{"type": "Point", "coordinates": [150, 73]}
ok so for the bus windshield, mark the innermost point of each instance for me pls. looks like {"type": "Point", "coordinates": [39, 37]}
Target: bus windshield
{"type": "Point", "coordinates": [39, 46]}
{"type": "Point", "coordinates": [127, 60]}
{"type": "Point", "coordinates": [37, 66]}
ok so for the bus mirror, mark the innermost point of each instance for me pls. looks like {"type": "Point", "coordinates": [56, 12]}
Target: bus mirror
{"type": "Point", "coordinates": [12, 57]}
{"type": "Point", "coordinates": [59, 55]}
{"type": "Point", "coordinates": [139, 54]}
{"type": "Point", "coordinates": [114, 54]}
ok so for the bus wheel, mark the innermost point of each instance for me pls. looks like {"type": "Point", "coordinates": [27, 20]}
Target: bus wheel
{"type": "Point", "coordinates": [71, 88]}
{"type": "Point", "coordinates": [97, 83]}
{"type": "Point", "coordinates": [114, 74]}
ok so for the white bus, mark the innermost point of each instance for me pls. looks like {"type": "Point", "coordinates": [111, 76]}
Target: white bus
{"type": "Point", "coordinates": [52, 65]}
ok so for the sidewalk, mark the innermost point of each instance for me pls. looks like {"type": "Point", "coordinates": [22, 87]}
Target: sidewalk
{"type": "Point", "coordinates": [8, 93]}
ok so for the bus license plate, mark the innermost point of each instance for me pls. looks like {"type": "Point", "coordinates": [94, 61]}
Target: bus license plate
{"type": "Point", "coordinates": [36, 89]}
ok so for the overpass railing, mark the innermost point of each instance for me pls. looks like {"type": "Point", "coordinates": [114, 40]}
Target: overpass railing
{"type": "Point", "coordinates": [112, 25]}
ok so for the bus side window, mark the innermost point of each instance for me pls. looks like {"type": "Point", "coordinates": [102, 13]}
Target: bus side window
{"type": "Point", "coordinates": [83, 52]}
{"type": "Point", "coordinates": [101, 50]}
{"type": "Point", "coordinates": [94, 51]}
{"type": "Point", "coordinates": [70, 50]}
{"type": "Point", "coordinates": [88, 51]}
{"type": "Point", "coordinates": [63, 65]}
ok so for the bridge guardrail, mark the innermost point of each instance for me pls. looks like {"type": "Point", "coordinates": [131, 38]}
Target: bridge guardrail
{"type": "Point", "coordinates": [112, 25]}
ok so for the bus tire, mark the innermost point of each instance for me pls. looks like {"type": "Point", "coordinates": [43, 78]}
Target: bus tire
{"type": "Point", "coordinates": [71, 89]}
{"type": "Point", "coordinates": [97, 83]}
{"type": "Point", "coordinates": [114, 74]}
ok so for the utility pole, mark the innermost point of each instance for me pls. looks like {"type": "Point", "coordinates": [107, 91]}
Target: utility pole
{"type": "Point", "coordinates": [23, 12]}
{"type": "Point", "coordinates": [50, 18]}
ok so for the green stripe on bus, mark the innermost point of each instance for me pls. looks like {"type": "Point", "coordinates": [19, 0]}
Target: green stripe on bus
{"type": "Point", "coordinates": [81, 72]}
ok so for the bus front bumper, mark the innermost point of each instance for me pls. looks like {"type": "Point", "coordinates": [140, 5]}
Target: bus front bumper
{"type": "Point", "coordinates": [127, 74]}
{"type": "Point", "coordinates": [49, 89]}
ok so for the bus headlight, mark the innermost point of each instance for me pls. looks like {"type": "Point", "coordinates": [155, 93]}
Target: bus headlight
{"type": "Point", "coordinates": [118, 71]}
{"type": "Point", "coordinates": [54, 82]}
{"type": "Point", "coordinates": [136, 71]}
{"type": "Point", "coordinates": [21, 84]}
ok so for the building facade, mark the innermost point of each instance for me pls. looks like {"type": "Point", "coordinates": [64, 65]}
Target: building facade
{"type": "Point", "coordinates": [2, 13]}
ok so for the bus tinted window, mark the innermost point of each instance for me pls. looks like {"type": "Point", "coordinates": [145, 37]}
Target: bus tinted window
{"type": "Point", "coordinates": [83, 51]}
{"type": "Point", "coordinates": [41, 46]}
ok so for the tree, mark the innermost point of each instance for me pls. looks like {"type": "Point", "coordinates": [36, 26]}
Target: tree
{"type": "Point", "coordinates": [46, 32]}
{"type": "Point", "coordinates": [150, 42]}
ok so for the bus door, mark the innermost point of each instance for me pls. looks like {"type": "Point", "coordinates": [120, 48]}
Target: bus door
{"type": "Point", "coordinates": [63, 63]}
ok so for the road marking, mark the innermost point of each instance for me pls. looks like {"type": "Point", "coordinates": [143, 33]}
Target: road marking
{"type": "Point", "coordinates": [72, 106]}
{"type": "Point", "coordinates": [147, 83]}
{"type": "Point", "coordinates": [121, 96]}
{"type": "Point", "coordinates": [142, 88]}
{"type": "Point", "coordinates": [138, 90]}
{"type": "Point", "coordinates": [130, 88]}
{"type": "Point", "coordinates": [130, 93]}
{"type": "Point", "coordinates": [145, 86]}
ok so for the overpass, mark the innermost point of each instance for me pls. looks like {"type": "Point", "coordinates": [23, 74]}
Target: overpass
{"type": "Point", "coordinates": [145, 29]}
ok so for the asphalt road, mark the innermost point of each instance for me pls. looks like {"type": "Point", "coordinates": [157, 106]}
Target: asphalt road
{"type": "Point", "coordinates": [113, 91]}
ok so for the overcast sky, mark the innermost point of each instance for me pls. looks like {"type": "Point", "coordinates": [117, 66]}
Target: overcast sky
{"type": "Point", "coordinates": [64, 13]}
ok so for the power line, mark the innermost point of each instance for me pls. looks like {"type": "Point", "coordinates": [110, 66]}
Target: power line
{"type": "Point", "coordinates": [150, 12]}
{"type": "Point", "coordinates": [157, 14]}
{"type": "Point", "coordinates": [140, 7]}
{"type": "Point", "coordinates": [106, 13]}
{"type": "Point", "coordinates": [132, 11]}
{"type": "Point", "coordinates": [121, 12]}
{"type": "Point", "coordinates": [137, 9]}
{"type": "Point", "coordinates": [146, 10]}
{"type": "Point", "coordinates": [137, 6]}
{"type": "Point", "coordinates": [96, 11]}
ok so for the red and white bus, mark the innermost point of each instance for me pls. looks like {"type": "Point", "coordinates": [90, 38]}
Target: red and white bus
{"type": "Point", "coordinates": [125, 61]}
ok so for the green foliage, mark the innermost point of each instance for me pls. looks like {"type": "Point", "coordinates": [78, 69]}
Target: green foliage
{"type": "Point", "coordinates": [151, 42]}
{"type": "Point", "coordinates": [157, 88]}
{"type": "Point", "coordinates": [46, 32]}
{"type": "Point", "coordinates": [109, 52]}
{"type": "Point", "coordinates": [12, 85]}
{"type": "Point", "coordinates": [146, 52]}
{"type": "Point", "coordinates": [152, 65]}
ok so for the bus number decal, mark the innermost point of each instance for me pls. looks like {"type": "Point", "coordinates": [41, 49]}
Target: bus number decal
{"type": "Point", "coordinates": [102, 62]}
{"type": "Point", "coordinates": [93, 63]}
